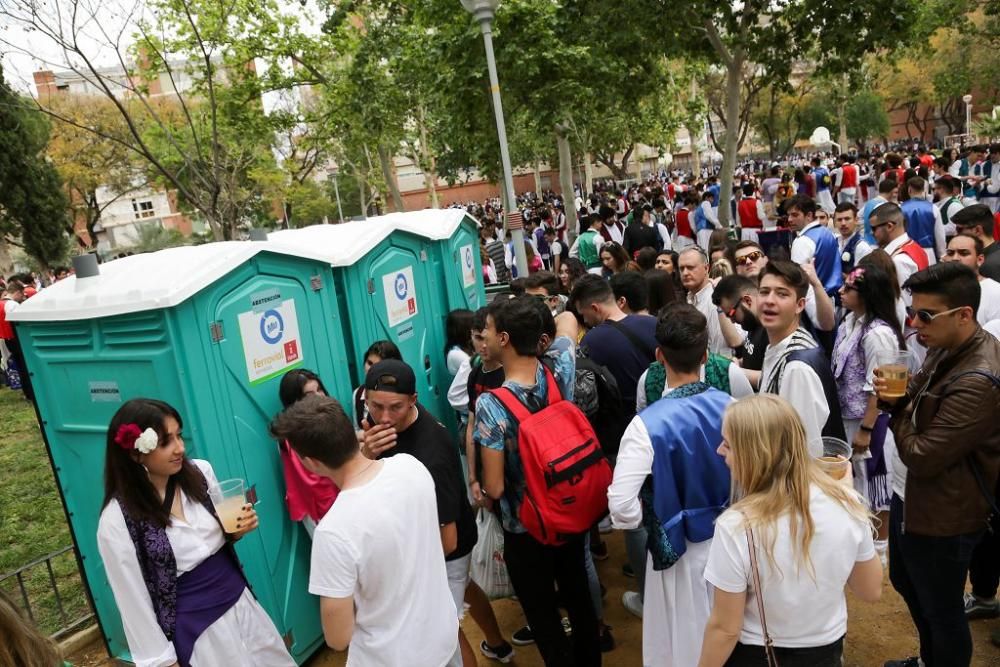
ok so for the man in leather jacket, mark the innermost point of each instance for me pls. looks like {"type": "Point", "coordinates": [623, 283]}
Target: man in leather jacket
{"type": "Point", "coordinates": [947, 436]}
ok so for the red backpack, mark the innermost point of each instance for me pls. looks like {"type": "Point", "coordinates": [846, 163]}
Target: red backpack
{"type": "Point", "coordinates": [566, 474]}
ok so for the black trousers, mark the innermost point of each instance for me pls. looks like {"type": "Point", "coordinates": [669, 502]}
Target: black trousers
{"type": "Point", "coordinates": [747, 655]}
{"type": "Point", "coordinates": [535, 569]}
{"type": "Point", "coordinates": [984, 570]}
{"type": "Point", "coordinates": [929, 573]}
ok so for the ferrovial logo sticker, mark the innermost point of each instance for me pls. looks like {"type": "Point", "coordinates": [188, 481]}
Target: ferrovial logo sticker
{"type": "Point", "coordinates": [271, 341]}
{"type": "Point", "coordinates": [400, 295]}
{"type": "Point", "coordinates": [468, 259]}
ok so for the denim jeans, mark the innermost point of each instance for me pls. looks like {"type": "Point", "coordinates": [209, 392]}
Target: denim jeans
{"type": "Point", "coordinates": [635, 550]}
{"type": "Point", "coordinates": [535, 569]}
{"type": "Point", "coordinates": [929, 573]}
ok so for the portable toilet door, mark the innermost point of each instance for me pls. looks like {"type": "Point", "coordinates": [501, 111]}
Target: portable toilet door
{"type": "Point", "coordinates": [175, 325]}
{"type": "Point", "coordinates": [403, 305]}
{"type": "Point", "coordinates": [262, 328]}
{"type": "Point", "coordinates": [455, 241]}
{"type": "Point", "coordinates": [388, 290]}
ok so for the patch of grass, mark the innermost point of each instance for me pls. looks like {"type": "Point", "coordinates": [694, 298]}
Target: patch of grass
{"type": "Point", "coordinates": [32, 520]}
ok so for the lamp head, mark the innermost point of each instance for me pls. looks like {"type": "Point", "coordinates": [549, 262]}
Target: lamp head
{"type": "Point", "coordinates": [965, 98]}
{"type": "Point", "coordinates": [482, 10]}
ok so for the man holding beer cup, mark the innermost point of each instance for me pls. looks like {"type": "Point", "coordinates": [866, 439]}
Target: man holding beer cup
{"type": "Point", "coordinates": [945, 429]}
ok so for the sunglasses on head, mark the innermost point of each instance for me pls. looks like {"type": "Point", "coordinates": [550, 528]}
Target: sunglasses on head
{"type": "Point", "coordinates": [750, 258]}
{"type": "Point", "coordinates": [927, 316]}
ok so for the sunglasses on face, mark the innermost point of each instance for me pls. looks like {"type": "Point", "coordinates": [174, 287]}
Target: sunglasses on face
{"type": "Point", "coordinates": [927, 316]}
{"type": "Point", "coordinates": [749, 258]}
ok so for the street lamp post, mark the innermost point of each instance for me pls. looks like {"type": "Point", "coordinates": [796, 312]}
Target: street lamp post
{"type": "Point", "coordinates": [484, 11]}
{"type": "Point", "coordinates": [968, 116]}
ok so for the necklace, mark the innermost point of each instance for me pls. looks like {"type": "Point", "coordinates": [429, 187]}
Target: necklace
{"type": "Point", "coordinates": [356, 474]}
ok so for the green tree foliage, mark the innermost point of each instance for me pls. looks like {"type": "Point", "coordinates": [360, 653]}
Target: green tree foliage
{"type": "Point", "coordinates": [33, 204]}
{"type": "Point", "coordinates": [760, 40]}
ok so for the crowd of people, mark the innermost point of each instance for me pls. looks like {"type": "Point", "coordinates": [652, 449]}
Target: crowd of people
{"type": "Point", "coordinates": [770, 412]}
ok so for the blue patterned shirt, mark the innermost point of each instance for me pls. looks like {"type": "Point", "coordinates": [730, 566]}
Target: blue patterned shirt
{"type": "Point", "coordinates": [496, 430]}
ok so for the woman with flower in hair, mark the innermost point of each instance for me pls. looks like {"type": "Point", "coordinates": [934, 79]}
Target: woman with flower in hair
{"type": "Point", "coordinates": [871, 326]}
{"type": "Point", "coordinates": [173, 571]}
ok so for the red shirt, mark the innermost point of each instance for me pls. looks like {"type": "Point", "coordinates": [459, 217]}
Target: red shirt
{"type": "Point", "coordinates": [306, 494]}
{"type": "Point", "coordinates": [684, 223]}
{"type": "Point", "coordinates": [6, 328]}
{"type": "Point", "coordinates": [849, 176]}
{"type": "Point", "coordinates": [747, 209]}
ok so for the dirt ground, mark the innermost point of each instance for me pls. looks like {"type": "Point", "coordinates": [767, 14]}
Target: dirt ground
{"type": "Point", "coordinates": [876, 632]}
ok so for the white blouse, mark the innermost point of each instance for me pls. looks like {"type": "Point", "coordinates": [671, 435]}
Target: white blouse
{"type": "Point", "coordinates": [193, 542]}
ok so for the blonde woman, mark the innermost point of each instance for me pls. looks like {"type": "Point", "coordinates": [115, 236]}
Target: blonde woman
{"type": "Point", "coordinates": [811, 536]}
{"type": "Point", "coordinates": [21, 643]}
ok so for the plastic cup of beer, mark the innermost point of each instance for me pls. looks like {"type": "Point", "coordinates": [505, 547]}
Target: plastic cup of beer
{"type": "Point", "coordinates": [894, 368]}
{"type": "Point", "coordinates": [229, 498]}
{"type": "Point", "coordinates": [836, 459]}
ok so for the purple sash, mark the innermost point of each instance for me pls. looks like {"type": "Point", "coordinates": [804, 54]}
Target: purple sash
{"type": "Point", "coordinates": [203, 595]}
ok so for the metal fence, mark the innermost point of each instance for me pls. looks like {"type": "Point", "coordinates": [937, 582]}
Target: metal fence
{"type": "Point", "coordinates": [55, 610]}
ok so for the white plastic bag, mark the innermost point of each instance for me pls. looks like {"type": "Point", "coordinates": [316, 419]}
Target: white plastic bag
{"type": "Point", "coordinates": [489, 569]}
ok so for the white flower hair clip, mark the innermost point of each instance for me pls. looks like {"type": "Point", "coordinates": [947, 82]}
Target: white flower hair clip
{"type": "Point", "coordinates": [147, 442]}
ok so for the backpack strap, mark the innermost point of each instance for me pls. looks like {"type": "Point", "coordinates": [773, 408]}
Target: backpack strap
{"type": "Point", "coordinates": [637, 342]}
{"type": "Point", "coordinates": [516, 408]}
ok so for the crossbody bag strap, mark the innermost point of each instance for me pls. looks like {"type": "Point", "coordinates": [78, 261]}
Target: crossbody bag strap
{"type": "Point", "coordinates": [772, 659]}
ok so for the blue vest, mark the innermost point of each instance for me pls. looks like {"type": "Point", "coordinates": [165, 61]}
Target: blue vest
{"type": "Point", "coordinates": [847, 257]}
{"type": "Point", "coordinates": [919, 215]}
{"type": "Point", "coordinates": [821, 174]}
{"type": "Point", "coordinates": [700, 221]}
{"type": "Point", "coordinates": [827, 258]}
{"type": "Point", "coordinates": [715, 189]}
{"type": "Point", "coordinates": [691, 482]}
{"type": "Point", "coordinates": [963, 170]}
{"type": "Point", "coordinates": [866, 218]}
{"type": "Point", "coordinates": [986, 171]}
{"type": "Point", "coordinates": [816, 359]}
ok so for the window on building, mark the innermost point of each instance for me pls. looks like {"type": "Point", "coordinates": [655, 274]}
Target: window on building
{"type": "Point", "coordinates": [143, 209]}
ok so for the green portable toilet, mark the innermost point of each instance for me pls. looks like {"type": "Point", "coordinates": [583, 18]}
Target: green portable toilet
{"type": "Point", "coordinates": [454, 237]}
{"type": "Point", "coordinates": [209, 329]}
{"type": "Point", "coordinates": [387, 288]}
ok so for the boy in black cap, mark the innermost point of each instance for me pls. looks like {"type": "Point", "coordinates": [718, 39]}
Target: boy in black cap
{"type": "Point", "coordinates": [398, 424]}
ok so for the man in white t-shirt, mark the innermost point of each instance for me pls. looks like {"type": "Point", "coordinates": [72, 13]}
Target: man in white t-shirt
{"type": "Point", "coordinates": [968, 250]}
{"type": "Point", "coordinates": [377, 562]}
{"type": "Point", "coordinates": [795, 367]}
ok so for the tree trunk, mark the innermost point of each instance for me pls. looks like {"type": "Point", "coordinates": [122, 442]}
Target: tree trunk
{"type": "Point", "coordinates": [588, 174]}
{"type": "Point", "coordinates": [430, 162]}
{"type": "Point", "coordinates": [363, 200]}
{"type": "Point", "coordinates": [385, 161]}
{"type": "Point", "coordinates": [842, 113]}
{"type": "Point", "coordinates": [566, 179]}
{"type": "Point", "coordinates": [537, 168]}
{"type": "Point", "coordinates": [6, 262]}
{"type": "Point", "coordinates": [733, 79]}
{"type": "Point", "coordinates": [638, 170]}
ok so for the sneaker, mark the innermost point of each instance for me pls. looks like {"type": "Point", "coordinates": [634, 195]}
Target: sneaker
{"type": "Point", "coordinates": [523, 637]}
{"type": "Point", "coordinates": [607, 641]}
{"type": "Point", "coordinates": [907, 662]}
{"type": "Point", "coordinates": [632, 602]}
{"type": "Point", "coordinates": [628, 571]}
{"type": "Point", "coordinates": [502, 653]}
{"type": "Point", "coordinates": [977, 608]}
{"type": "Point", "coordinates": [599, 551]}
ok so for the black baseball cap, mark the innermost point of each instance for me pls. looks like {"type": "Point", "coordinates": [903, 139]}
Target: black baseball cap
{"type": "Point", "coordinates": [391, 375]}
